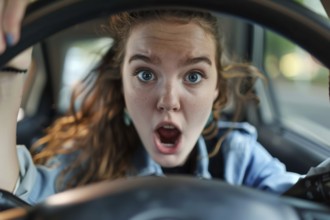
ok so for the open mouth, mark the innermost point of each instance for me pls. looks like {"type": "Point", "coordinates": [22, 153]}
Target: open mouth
{"type": "Point", "coordinates": [168, 138]}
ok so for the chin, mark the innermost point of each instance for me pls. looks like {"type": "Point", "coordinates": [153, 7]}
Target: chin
{"type": "Point", "coordinates": [168, 161]}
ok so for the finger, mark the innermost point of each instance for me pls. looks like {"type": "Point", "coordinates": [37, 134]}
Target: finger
{"type": "Point", "coordinates": [12, 19]}
{"type": "Point", "coordinates": [2, 41]}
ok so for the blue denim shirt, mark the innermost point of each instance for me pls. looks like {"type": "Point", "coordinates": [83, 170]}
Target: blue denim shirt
{"type": "Point", "coordinates": [245, 162]}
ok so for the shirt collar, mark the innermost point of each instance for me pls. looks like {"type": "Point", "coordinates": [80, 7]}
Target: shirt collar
{"type": "Point", "coordinates": [144, 165]}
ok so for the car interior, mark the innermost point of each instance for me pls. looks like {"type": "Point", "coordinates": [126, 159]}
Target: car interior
{"type": "Point", "coordinates": [56, 71]}
{"type": "Point", "coordinates": [291, 124]}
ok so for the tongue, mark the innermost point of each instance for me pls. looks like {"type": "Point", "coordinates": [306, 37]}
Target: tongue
{"type": "Point", "coordinates": [168, 136]}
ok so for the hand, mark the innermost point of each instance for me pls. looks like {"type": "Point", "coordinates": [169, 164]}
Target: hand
{"type": "Point", "coordinates": [11, 14]}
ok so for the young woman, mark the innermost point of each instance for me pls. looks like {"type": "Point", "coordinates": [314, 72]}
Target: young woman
{"type": "Point", "coordinates": [151, 107]}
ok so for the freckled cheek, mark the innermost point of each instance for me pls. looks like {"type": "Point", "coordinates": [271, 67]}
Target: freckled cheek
{"type": "Point", "coordinates": [199, 109]}
{"type": "Point", "coordinates": [133, 92]}
{"type": "Point", "coordinates": [138, 102]}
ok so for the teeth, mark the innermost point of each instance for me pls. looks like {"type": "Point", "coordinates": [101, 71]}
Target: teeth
{"type": "Point", "coordinates": [168, 145]}
{"type": "Point", "coordinates": [168, 127]}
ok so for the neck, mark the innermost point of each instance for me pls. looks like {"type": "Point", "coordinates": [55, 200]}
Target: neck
{"type": "Point", "coordinates": [188, 168]}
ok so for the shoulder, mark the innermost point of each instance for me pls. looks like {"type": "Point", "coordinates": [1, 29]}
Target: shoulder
{"type": "Point", "coordinates": [238, 136]}
{"type": "Point", "coordinates": [37, 182]}
{"type": "Point", "coordinates": [237, 129]}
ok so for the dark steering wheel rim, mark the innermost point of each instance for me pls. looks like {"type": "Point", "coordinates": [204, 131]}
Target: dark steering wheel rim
{"type": "Point", "coordinates": [288, 18]}
{"type": "Point", "coordinates": [175, 198]}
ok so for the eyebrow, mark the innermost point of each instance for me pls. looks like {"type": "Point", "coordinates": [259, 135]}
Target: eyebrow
{"type": "Point", "coordinates": [200, 59]}
{"type": "Point", "coordinates": [144, 58]}
{"type": "Point", "coordinates": [156, 60]}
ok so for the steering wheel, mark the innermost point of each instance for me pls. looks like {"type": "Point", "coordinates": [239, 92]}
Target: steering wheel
{"type": "Point", "coordinates": [151, 198]}
{"type": "Point", "coordinates": [9, 201]}
{"type": "Point", "coordinates": [159, 198]}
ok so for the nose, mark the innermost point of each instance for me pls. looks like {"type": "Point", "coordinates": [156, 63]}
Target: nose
{"type": "Point", "coordinates": [168, 99]}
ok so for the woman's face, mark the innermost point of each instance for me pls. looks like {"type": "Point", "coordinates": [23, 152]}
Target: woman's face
{"type": "Point", "coordinates": [169, 78]}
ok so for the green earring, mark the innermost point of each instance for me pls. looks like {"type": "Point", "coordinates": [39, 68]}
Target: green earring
{"type": "Point", "coordinates": [127, 118]}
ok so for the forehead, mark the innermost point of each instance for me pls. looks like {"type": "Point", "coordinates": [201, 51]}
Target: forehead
{"type": "Point", "coordinates": [188, 39]}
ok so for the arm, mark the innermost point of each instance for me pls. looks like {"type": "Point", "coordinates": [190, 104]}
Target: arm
{"type": "Point", "coordinates": [248, 163]}
{"type": "Point", "coordinates": [11, 84]}
{"type": "Point", "coordinates": [267, 172]}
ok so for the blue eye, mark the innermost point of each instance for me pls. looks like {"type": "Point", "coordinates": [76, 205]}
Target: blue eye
{"type": "Point", "coordinates": [145, 75]}
{"type": "Point", "coordinates": [193, 77]}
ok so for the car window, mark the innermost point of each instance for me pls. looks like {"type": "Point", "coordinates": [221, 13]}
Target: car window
{"type": "Point", "coordinates": [314, 5]}
{"type": "Point", "coordinates": [80, 58]}
{"type": "Point", "coordinates": [300, 84]}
